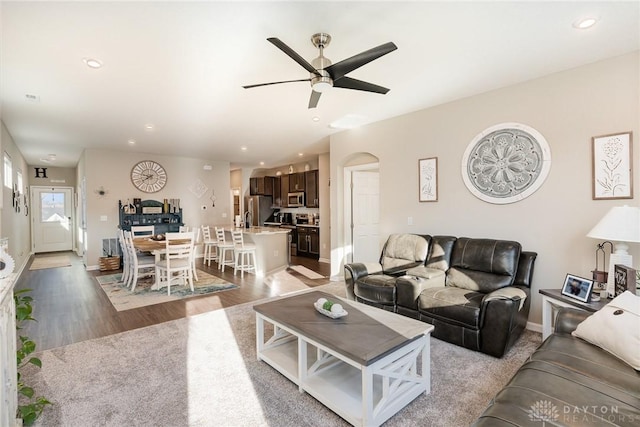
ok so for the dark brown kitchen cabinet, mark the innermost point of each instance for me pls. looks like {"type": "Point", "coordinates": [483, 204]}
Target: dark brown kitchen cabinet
{"type": "Point", "coordinates": [296, 182]}
{"type": "Point", "coordinates": [308, 242]}
{"type": "Point", "coordinates": [277, 192]}
{"type": "Point", "coordinates": [311, 189]}
{"type": "Point", "coordinates": [261, 186]}
{"type": "Point", "coordinates": [284, 190]}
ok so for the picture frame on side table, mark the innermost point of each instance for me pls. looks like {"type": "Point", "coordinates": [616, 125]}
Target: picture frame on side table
{"type": "Point", "coordinates": [624, 279]}
{"type": "Point", "coordinates": [612, 166]}
{"type": "Point", "coordinates": [577, 288]}
{"type": "Point", "coordinates": [428, 179]}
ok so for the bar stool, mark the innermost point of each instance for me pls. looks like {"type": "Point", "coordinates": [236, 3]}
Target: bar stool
{"type": "Point", "coordinates": [210, 245]}
{"type": "Point", "coordinates": [241, 252]}
{"type": "Point", "coordinates": [223, 248]}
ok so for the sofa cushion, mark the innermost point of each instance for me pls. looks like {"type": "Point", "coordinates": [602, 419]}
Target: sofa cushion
{"type": "Point", "coordinates": [568, 382]}
{"type": "Point", "coordinates": [403, 249]}
{"type": "Point", "coordinates": [453, 305]}
{"type": "Point", "coordinates": [483, 264]}
{"type": "Point", "coordinates": [378, 288]}
{"type": "Point", "coordinates": [615, 328]}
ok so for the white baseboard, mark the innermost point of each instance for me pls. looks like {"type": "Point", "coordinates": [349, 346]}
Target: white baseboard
{"type": "Point", "coordinates": [325, 260]}
{"type": "Point", "coordinates": [535, 327]}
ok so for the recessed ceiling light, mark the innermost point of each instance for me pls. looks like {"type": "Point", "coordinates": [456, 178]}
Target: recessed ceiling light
{"type": "Point", "coordinates": [51, 156]}
{"type": "Point", "coordinates": [300, 154]}
{"type": "Point", "coordinates": [132, 141]}
{"type": "Point", "coordinates": [149, 126]}
{"type": "Point", "coordinates": [92, 63]}
{"type": "Point", "coordinates": [316, 119]}
{"type": "Point", "coordinates": [45, 160]}
{"type": "Point", "coordinates": [243, 148]}
{"type": "Point", "coordinates": [584, 23]}
{"type": "Point", "coordinates": [261, 163]}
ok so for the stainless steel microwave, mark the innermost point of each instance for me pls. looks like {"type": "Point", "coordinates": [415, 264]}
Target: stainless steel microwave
{"type": "Point", "coordinates": [296, 199]}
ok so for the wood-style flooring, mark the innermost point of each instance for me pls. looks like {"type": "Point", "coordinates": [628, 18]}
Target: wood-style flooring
{"type": "Point", "coordinates": [69, 305]}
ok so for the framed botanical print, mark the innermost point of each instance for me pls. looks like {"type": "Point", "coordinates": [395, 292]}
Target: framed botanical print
{"type": "Point", "coordinates": [428, 179]}
{"type": "Point", "coordinates": [612, 167]}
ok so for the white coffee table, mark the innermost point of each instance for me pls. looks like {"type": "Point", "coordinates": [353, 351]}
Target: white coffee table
{"type": "Point", "coordinates": [365, 366]}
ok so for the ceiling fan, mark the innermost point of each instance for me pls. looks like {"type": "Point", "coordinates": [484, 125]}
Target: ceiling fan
{"type": "Point", "coordinates": [324, 74]}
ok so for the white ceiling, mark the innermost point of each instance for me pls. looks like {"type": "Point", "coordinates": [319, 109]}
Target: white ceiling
{"type": "Point", "coordinates": [180, 66]}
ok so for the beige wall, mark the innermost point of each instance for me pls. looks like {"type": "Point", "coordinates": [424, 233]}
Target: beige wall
{"type": "Point", "coordinates": [111, 170]}
{"type": "Point", "coordinates": [568, 108]}
{"type": "Point", "coordinates": [61, 177]}
{"type": "Point", "coordinates": [15, 225]}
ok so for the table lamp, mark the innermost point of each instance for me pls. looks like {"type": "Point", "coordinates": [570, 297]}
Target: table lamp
{"type": "Point", "coordinates": [621, 225]}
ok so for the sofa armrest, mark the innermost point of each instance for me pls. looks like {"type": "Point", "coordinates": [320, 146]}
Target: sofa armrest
{"type": "Point", "coordinates": [410, 287]}
{"type": "Point", "coordinates": [355, 271]}
{"type": "Point", "coordinates": [503, 315]}
{"type": "Point", "coordinates": [401, 270]}
{"type": "Point", "coordinates": [514, 293]}
{"type": "Point", "coordinates": [568, 319]}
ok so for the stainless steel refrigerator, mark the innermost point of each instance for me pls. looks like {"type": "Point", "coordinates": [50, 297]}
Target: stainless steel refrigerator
{"type": "Point", "coordinates": [258, 210]}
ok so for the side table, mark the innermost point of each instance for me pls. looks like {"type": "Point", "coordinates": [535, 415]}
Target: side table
{"type": "Point", "coordinates": [552, 299]}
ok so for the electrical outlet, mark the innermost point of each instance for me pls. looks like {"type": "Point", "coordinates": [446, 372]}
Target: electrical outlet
{"type": "Point", "coordinates": [275, 253]}
{"type": "Point", "coordinates": [203, 207]}
{"type": "Point", "coordinates": [224, 214]}
{"type": "Point", "coordinates": [324, 246]}
{"type": "Point", "coordinates": [410, 220]}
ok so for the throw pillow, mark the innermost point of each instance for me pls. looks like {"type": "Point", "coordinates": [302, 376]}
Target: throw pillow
{"type": "Point", "coordinates": [615, 328]}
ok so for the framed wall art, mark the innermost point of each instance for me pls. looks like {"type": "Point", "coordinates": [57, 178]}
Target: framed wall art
{"type": "Point", "coordinates": [612, 167]}
{"type": "Point", "coordinates": [428, 179]}
{"type": "Point", "coordinates": [577, 287]}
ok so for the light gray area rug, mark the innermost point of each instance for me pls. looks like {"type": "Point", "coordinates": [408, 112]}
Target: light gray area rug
{"type": "Point", "coordinates": [202, 371]}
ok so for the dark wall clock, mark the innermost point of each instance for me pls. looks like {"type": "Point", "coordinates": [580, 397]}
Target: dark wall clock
{"type": "Point", "coordinates": [148, 176]}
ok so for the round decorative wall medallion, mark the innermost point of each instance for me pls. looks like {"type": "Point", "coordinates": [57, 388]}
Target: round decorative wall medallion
{"type": "Point", "coordinates": [506, 163]}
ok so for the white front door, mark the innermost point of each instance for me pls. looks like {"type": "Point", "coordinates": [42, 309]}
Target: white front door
{"type": "Point", "coordinates": [51, 219]}
{"type": "Point", "coordinates": [365, 202]}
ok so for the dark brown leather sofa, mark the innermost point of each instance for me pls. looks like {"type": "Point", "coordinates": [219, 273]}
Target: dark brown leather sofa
{"type": "Point", "coordinates": [474, 291]}
{"type": "Point", "coordinates": [568, 382]}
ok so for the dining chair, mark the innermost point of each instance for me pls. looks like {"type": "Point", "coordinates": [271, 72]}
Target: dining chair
{"type": "Point", "coordinates": [139, 263]}
{"type": "Point", "coordinates": [126, 258]}
{"type": "Point", "coordinates": [177, 262]}
{"type": "Point", "coordinates": [223, 248]}
{"type": "Point", "coordinates": [241, 252]}
{"type": "Point", "coordinates": [142, 230]}
{"type": "Point", "coordinates": [210, 245]}
{"type": "Point", "coordinates": [196, 243]}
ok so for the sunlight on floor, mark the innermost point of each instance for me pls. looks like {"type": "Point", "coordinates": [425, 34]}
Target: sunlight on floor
{"type": "Point", "coordinates": [282, 283]}
{"type": "Point", "coordinates": [216, 373]}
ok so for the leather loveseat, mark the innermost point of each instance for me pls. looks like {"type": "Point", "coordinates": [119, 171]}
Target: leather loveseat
{"type": "Point", "coordinates": [568, 382]}
{"type": "Point", "coordinates": [474, 291]}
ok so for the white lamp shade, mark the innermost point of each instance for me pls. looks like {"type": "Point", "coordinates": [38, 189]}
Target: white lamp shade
{"type": "Point", "coordinates": [620, 224]}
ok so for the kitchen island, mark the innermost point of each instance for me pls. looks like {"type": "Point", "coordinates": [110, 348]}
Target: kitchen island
{"type": "Point", "coordinates": [272, 248]}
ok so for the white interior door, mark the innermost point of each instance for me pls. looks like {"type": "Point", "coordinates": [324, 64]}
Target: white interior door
{"type": "Point", "coordinates": [365, 214]}
{"type": "Point", "coordinates": [51, 219]}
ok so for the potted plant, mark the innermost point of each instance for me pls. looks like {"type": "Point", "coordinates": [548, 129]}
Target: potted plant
{"type": "Point", "coordinates": [34, 405]}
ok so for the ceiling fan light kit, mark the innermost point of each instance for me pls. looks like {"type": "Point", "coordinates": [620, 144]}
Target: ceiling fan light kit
{"type": "Point", "coordinates": [325, 75]}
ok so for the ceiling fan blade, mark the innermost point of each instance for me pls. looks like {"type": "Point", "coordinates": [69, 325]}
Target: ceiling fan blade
{"type": "Point", "coordinates": [349, 83]}
{"type": "Point", "coordinates": [339, 69]}
{"type": "Point", "coordinates": [315, 97]}
{"type": "Point", "coordinates": [276, 83]}
{"type": "Point", "coordinates": [292, 54]}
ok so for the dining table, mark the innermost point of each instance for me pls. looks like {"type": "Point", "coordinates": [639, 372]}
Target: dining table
{"type": "Point", "coordinates": [157, 247]}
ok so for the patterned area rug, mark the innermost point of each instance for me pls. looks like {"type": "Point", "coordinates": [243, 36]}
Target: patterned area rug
{"type": "Point", "coordinates": [123, 299]}
{"type": "Point", "coordinates": [41, 262]}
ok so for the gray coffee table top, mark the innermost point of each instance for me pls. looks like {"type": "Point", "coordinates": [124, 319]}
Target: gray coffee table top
{"type": "Point", "coordinates": [364, 335]}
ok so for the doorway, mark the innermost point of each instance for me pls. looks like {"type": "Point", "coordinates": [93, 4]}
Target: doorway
{"type": "Point", "coordinates": [362, 212]}
{"type": "Point", "coordinates": [51, 219]}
